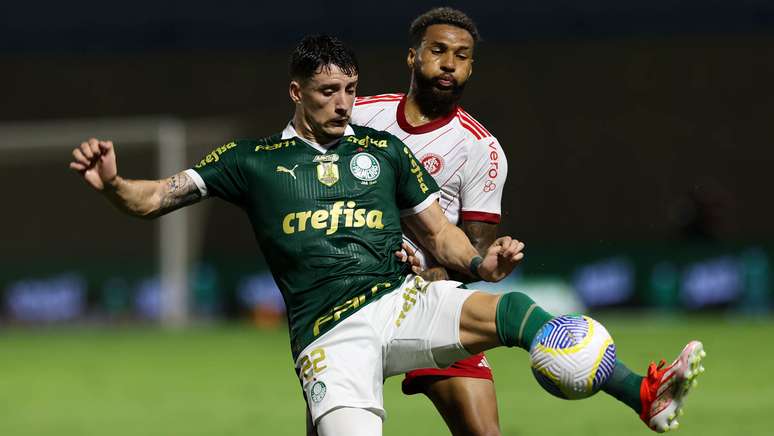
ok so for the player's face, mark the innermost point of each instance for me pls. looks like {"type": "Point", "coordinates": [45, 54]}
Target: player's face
{"type": "Point", "coordinates": [443, 62]}
{"type": "Point", "coordinates": [325, 102]}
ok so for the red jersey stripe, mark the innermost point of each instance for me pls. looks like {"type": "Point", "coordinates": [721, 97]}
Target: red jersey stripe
{"type": "Point", "coordinates": [475, 122]}
{"type": "Point", "coordinates": [486, 217]}
{"type": "Point", "coordinates": [368, 123]}
{"type": "Point", "coordinates": [469, 127]}
{"type": "Point", "coordinates": [479, 124]}
{"type": "Point", "coordinates": [480, 129]}
{"type": "Point", "coordinates": [375, 97]}
{"type": "Point", "coordinates": [433, 140]}
{"type": "Point", "coordinates": [381, 100]}
{"type": "Point", "coordinates": [436, 124]}
{"type": "Point", "coordinates": [462, 116]}
{"type": "Point", "coordinates": [455, 146]}
{"type": "Point", "coordinates": [381, 95]}
{"type": "Point", "coordinates": [386, 97]}
{"type": "Point", "coordinates": [454, 173]}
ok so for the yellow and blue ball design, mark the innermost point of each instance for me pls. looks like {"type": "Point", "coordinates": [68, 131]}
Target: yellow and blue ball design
{"type": "Point", "coordinates": [572, 356]}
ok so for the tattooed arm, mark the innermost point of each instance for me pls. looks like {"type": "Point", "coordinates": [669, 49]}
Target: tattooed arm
{"type": "Point", "coordinates": [152, 198]}
{"type": "Point", "coordinates": [95, 161]}
{"type": "Point", "coordinates": [481, 235]}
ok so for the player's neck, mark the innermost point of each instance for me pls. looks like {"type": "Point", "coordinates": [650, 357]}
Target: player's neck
{"type": "Point", "coordinates": [419, 112]}
{"type": "Point", "coordinates": [305, 132]}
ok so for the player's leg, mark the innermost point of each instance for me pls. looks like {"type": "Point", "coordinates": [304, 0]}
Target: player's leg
{"type": "Point", "coordinates": [514, 319]}
{"type": "Point", "coordinates": [463, 394]}
{"type": "Point", "coordinates": [349, 421]}
{"type": "Point", "coordinates": [343, 370]}
{"type": "Point", "coordinates": [467, 405]}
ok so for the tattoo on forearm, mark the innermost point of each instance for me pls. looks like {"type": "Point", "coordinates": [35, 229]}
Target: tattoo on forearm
{"type": "Point", "coordinates": [180, 191]}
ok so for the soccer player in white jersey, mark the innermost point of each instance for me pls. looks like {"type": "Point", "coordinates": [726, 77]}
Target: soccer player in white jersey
{"type": "Point", "coordinates": [470, 168]}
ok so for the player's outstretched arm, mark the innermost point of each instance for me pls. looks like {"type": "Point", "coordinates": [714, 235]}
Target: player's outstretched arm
{"type": "Point", "coordinates": [452, 248]}
{"type": "Point", "coordinates": [481, 235]}
{"type": "Point", "coordinates": [95, 161]}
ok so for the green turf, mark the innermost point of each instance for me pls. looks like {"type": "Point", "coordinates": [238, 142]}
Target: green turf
{"type": "Point", "coordinates": [239, 381]}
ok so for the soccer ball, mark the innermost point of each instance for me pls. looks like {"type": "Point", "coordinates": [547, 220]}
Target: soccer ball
{"type": "Point", "coordinates": [572, 356]}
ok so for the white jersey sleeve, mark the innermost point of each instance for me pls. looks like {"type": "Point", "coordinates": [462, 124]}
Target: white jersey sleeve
{"type": "Point", "coordinates": [483, 182]}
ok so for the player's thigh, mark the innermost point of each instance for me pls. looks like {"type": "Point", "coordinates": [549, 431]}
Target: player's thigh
{"type": "Point", "coordinates": [478, 324]}
{"type": "Point", "coordinates": [349, 421]}
{"type": "Point", "coordinates": [424, 331]}
{"type": "Point", "coordinates": [343, 368]}
{"type": "Point", "coordinates": [467, 405]}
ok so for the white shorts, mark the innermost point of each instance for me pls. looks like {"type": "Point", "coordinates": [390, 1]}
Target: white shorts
{"type": "Point", "coordinates": [414, 326]}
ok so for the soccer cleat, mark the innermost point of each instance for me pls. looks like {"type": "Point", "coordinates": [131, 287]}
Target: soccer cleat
{"type": "Point", "coordinates": [664, 389]}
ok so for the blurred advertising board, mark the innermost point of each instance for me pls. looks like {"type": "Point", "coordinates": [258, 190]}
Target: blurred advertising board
{"type": "Point", "coordinates": [562, 278]}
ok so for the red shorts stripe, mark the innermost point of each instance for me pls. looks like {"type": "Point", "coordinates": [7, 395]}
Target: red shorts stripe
{"type": "Point", "coordinates": [473, 367]}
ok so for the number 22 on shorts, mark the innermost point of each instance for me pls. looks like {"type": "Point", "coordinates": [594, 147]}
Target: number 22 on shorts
{"type": "Point", "coordinates": [312, 363]}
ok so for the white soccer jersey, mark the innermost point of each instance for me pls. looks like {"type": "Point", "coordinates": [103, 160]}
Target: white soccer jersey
{"type": "Point", "coordinates": [465, 159]}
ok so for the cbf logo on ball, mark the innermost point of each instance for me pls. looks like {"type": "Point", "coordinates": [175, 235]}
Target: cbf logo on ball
{"type": "Point", "coordinates": [364, 167]}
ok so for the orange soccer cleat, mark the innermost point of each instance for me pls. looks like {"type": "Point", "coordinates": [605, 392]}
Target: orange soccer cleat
{"type": "Point", "coordinates": [664, 389]}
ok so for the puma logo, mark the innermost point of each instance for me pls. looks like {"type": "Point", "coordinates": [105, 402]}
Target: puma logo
{"type": "Point", "coordinates": [281, 169]}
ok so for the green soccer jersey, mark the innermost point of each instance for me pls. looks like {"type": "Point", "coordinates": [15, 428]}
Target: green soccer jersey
{"type": "Point", "coordinates": [327, 222]}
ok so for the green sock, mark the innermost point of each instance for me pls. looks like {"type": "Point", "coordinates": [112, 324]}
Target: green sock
{"type": "Point", "coordinates": [624, 385]}
{"type": "Point", "coordinates": [518, 320]}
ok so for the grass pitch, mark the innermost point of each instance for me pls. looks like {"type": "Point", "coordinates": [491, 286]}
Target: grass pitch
{"type": "Point", "coordinates": [235, 380]}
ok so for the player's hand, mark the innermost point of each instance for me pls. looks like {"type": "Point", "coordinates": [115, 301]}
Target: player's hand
{"type": "Point", "coordinates": [501, 258]}
{"type": "Point", "coordinates": [407, 255]}
{"type": "Point", "coordinates": [95, 161]}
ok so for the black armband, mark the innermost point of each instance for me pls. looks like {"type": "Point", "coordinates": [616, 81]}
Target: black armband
{"type": "Point", "coordinates": [474, 264]}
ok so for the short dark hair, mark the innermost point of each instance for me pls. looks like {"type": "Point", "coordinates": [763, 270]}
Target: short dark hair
{"type": "Point", "coordinates": [317, 53]}
{"type": "Point", "coordinates": [444, 15]}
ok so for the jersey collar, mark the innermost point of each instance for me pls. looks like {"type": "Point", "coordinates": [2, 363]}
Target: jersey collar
{"type": "Point", "coordinates": [424, 128]}
{"type": "Point", "coordinates": [290, 132]}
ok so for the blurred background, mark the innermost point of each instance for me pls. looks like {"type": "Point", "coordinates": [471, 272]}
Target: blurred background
{"type": "Point", "coordinates": [639, 140]}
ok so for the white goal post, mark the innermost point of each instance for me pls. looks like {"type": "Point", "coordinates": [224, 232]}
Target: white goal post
{"type": "Point", "coordinates": [171, 137]}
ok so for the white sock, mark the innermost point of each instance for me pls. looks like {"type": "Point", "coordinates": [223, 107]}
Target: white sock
{"type": "Point", "coordinates": [349, 421]}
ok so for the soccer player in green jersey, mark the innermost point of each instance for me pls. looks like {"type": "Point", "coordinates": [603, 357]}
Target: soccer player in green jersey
{"type": "Point", "coordinates": [326, 201]}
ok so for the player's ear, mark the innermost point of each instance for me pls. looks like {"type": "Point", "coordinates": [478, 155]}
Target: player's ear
{"type": "Point", "coordinates": [295, 91]}
{"type": "Point", "coordinates": [412, 55]}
